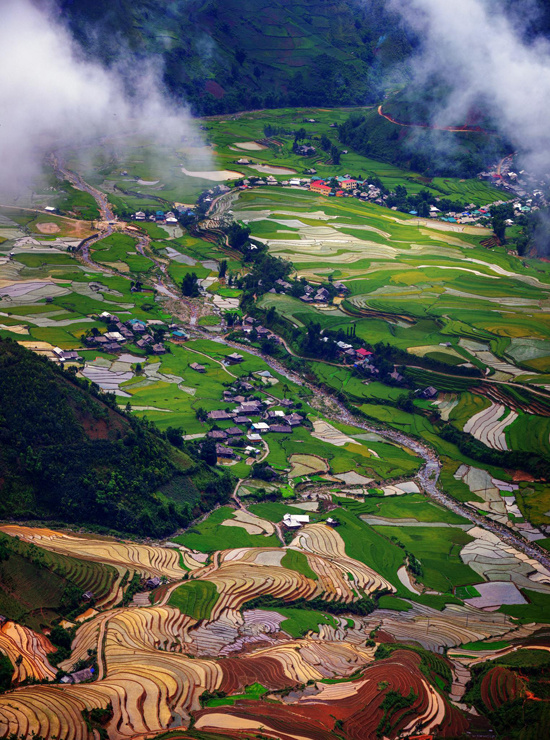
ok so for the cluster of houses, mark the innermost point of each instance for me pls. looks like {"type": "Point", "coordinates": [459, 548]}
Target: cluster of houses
{"type": "Point", "coordinates": [168, 218]}
{"type": "Point", "coordinates": [250, 418]}
{"type": "Point", "coordinates": [134, 331]}
{"type": "Point", "coordinates": [312, 294]}
{"type": "Point", "coordinates": [526, 187]}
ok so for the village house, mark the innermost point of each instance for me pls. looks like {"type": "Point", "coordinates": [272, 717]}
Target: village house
{"type": "Point", "coordinates": [322, 296]}
{"type": "Point", "coordinates": [197, 368]}
{"type": "Point", "coordinates": [222, 451]}
{"type": "Point", "coordinates": [429, 392]}
{"type": "Point", "coordinates": [153, 582]}
{"type": "Point", "coordinates": [159, 349]}
{"type": "Point", "coordinates": [241, 420]}
{"type": "Point", "coordinates": [294, 420]}
{"type": "Point", "coordinates": [217, 434]}
{"type": "Point", "coordinates": [219, 415]}
{"type": "Point", "coordinates": [114, 336]}
{"type": "Point", "coordinates": [280, 428]}
{"type": "Point", "coordinates": [363, 353]}
{"type": "Point", "coordinates": [233, 431]}
{"type": "Point", "coordinates": [111, 347]}
{"type": "Point", "coordinates": [305, 150]}
{"type": "Point", "coordinates": [260, 427]}
{"type": "Point", "coordinates": [86, 674]}
{"type": "Point", "coordinates": [64, 356]}
{"type": "Point", "coordinates": [283, 284]}
{"type": "Point", "coordinates": [249, 407]}
{"type": "Point", "coordinates": [234, 358]}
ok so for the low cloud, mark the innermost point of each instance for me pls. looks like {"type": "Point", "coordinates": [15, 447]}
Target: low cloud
{"type": "Point", "coordinates": [52, 96]}
{"type": "Point", "coordinates": [484, 54]}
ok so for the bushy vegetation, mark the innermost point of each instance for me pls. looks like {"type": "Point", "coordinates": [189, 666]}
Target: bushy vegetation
{"type": "Point", "coordinates": [6, 672]}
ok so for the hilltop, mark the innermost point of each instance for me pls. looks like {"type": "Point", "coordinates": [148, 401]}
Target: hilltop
{"type": "Point", "coordinates": [67, 453]}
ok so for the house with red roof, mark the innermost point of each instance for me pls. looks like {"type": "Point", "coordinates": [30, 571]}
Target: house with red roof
{"type": "Point", "coordinates": [318, 186]}
{"type": "Point", "coordinates": [363, 353]}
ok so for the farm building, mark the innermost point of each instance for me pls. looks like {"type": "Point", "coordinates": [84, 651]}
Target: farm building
{"type": "Point", "coordinates": [293, 521]}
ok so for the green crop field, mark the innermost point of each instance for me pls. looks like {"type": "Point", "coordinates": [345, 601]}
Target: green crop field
{"type": "Point", "coordinates": [195, 598]}
{"type": "Point", "coordinates": [438, 550]}
{"type": "Point", "coordinates": [296, 560]}
{"type": "Point", "coordinates": [298, 622]}
{"type": "Point", "coordinates": [211, 535]}
{"type": "Point", "coordinates": [409, 506]}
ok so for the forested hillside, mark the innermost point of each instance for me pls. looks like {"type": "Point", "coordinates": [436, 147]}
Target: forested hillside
{"type": "Point", "coordinates": [238, 55]}
{"type": "Point", "coordinates": [66, 453]}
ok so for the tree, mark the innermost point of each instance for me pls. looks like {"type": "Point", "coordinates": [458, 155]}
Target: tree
{"type": "Point", "coordinates": [189, 285]}
{"type": "Point", "coordinates": [175, 436]}
{"type": "Point", "coordinates": [240, 56]}
{"type": "Point", "coordinates": [223, 269]}
{"type": "Point", "coordinates": [201, 414]}
{"type": "Point", "coordinates": [208, 451]}
{"type": "Point", "coordinates": [335, 155]}
{"type": "Point", "coordinates": [499, 228]}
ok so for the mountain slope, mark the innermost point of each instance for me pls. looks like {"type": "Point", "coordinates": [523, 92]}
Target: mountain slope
{"type": "Point", "coordinates": [70, 455]}
{"type": "Point", "coordinates": [243, 54]}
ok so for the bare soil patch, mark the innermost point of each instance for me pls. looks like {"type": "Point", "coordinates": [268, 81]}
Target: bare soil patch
{"type": "Point", "coordinates": [46, 228]}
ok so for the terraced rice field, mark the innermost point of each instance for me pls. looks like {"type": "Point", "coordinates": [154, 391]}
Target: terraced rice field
{"type": "Point", "coordinates": [27, 652]}
{"type": "Point", "coordinates": [147, 560]}
{"type": "Point", "coordinates": [489, 426]}
{"type": "Point", "coordinates": [155, 661]}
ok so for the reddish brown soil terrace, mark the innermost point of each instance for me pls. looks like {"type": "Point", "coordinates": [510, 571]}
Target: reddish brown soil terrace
{"type": "Point", "coordinates": [243, 671]}
{"type": "Point", "coordinates": [500, 685]}
{"type": "Point", "coordinates": [357, 708]}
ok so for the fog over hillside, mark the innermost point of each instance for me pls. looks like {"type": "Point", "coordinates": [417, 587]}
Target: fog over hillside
{"type": "Point", "coordinates": [52, 96]}
{"type": "Point", "coordinates": [484, 53]}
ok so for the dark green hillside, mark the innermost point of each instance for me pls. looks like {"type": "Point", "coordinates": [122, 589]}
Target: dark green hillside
{"type": "Point", "coordinates": [430, 152]}
{"type": "Point", "coordinates": [228, 55]}
{"type": "Point", "coordinates": [67, 453]}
